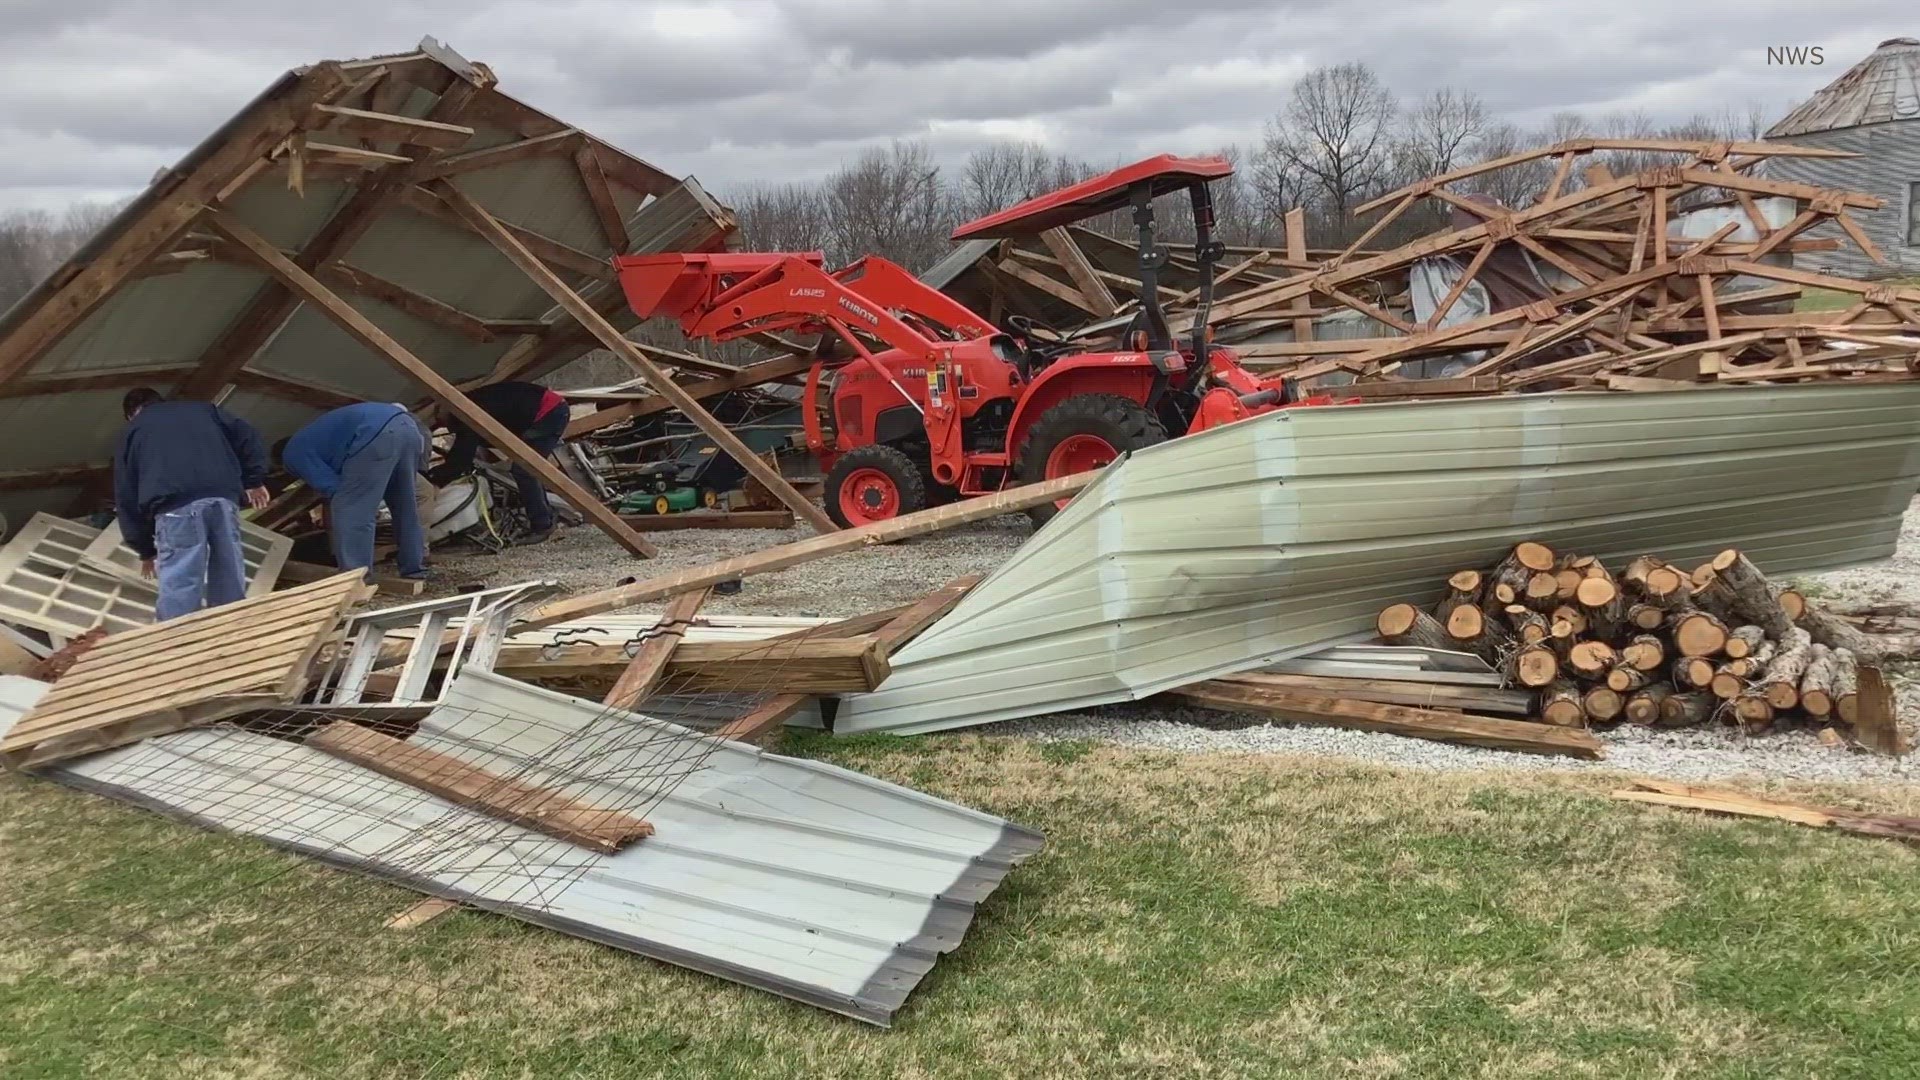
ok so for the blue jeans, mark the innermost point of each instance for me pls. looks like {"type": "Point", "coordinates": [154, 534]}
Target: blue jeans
{"type": "Point", "coordinates": [380, 471]}
{"type": "Point", "coordinates": [197, 558]}
{"type": "Point", "coordinates": [544, 438]}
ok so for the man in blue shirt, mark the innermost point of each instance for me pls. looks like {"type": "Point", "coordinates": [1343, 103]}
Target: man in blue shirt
{"type": "Point", "coordinates": [357, 457]}
{"type": "Point", "coordinates": [179, 472]}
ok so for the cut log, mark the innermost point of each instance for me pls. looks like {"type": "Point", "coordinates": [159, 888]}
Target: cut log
{"type": "Point", "coordinates": [1528, 625]}
{"type": "Point", "coordinates": [1542, 592]}
{"type": "Point", "coordinates": [1751, 666]}
{"type": "Point", "coordinates": [1816, 683]}
{"type": "Point", "coordinates": [1405, 624]}
{"type": "Point", "coordinates": [1634, 576]}
{"type": "Point", "coordinates": [1754, 711]}
{"type": "Point", "coordinates": [1505, 585]}
{"type": "Point", "coordinates": [1471, 631]}
{"type": "Point", "coordinates": [1626, 678]}
{"type": "Point", "coordinates": [1727, 682]}
{"type": "Point", "coordinates": [1573, 617]}
{"type": "Point", "coordinates": [1560, 705]}
{"type": "Point", "coordinates": [1755, 599]}
{"type": "Point", "coordinates": [1698, 633]}
{"type": "Point", "coordinates": [1463, 588]}
{"type": "Point", "coordinates": [1792, 602]}
{"type": "Point", "coordinates": [1686, 710]}
{"type": "Point", "coordinates": [1534, 666]}
{"type": "Point", "coordinates": [1596, 592]}
{"type": "Point", "coordinates": [1644, 652]}
{"type": "Point", "coordinates": [1692, 673]}
{"type": "Point", "coordinates": [1643, 708]}
{"type": "Point", "coordinates": [1836, 633]}
{"type": "Point", "coordinates": [1562, 630]}
{"type": "Point", "coordinates": [1603, 704]}
{"type": "Point", "coordinates": [1591, 659]}
{"type": "Point", "coordinates": [1535, 557]}
{"type": "Point", "coordinates": [1665, 586]}
{"type": "Point", "coordinates": [1394, 719]}
{"type": "Point", "coordinates": [1781, 683]}
{"type": "Point", "coordinates": [1709, 593]}
{"type": "Point", "coordinates": [1647, 616]}
{"type": "Point", "coordinates": [1743, 640]}
{"type": "Point", "coordinates": [1846, 685]}
{"type": "Point", "coordinates": [1567, 582]}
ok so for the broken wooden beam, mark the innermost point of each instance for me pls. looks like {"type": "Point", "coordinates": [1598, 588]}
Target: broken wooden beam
{"type": "Point", "coordinates": [644, 671]}
{"type": "Point", "coordinates": [1390, 691]}
{"type": "Point", "coordinates": [1309, 708]}
{"type": "Point", "coordinates": [782, 665]}
{"type": "Point", "coordinates": [540, 809]}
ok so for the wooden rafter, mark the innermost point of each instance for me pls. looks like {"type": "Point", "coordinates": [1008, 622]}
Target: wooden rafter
{"type": "Point", "coordinates": [594, 178]}
{"type": "Point", "coordinates": [307, 289]}
{"type": "Point", "coordinates": [649, 664]}
{"type": "Point", "coordinates": [559, 142]}
{"type": "Point", "coordinates": [584, 312]}
{"type": "Point", "coordinates": [765, 371]}
{"type": "Point", "coordinates": [387, 127]}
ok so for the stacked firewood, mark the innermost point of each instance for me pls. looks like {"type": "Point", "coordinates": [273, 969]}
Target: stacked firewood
{"type": "Point", "coordinates": [1654, 644]}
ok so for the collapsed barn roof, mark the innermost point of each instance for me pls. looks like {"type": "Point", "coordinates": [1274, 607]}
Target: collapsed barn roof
{"type": "Point", "coordinates": [339, 166]}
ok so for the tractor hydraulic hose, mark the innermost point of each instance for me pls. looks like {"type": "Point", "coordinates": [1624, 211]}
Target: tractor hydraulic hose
{"type": "Point", "coordinates": [1261, 397]}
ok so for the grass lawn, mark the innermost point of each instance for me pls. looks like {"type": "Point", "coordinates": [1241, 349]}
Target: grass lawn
{"type": "Point", "coordinates": [1192, 916]}
{"type": "Point", "coordinates": [1834, 300]}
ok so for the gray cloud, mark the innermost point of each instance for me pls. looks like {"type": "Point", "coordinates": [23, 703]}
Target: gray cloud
{"type": "Point", "coordinates": [97, 94]}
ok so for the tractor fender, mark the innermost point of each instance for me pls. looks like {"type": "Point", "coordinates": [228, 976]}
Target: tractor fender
{"type": "Point", "coordinates": [1130, 375]}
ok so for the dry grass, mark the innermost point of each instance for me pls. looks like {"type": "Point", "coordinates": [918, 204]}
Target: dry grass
{"type": "Point", "coordinates": [1193, 916]}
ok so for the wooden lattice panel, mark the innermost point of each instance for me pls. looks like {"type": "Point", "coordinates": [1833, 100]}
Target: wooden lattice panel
{"type": "Point", "coordinates": [263, 551]}
{"type": "Point", "coordinates": [186, 672]}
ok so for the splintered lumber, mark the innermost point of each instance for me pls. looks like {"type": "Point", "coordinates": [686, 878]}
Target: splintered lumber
{"type": "Point", "coordinates": [1644, 652]}
{"type": "Point", "coordinates": [1603, 704]}
{"type": "Point", "coordinates": [1626, 678]}
{"type": "Point", "coordinates": [1692, 672]}
{"type": "Point", "coordinates": [1686, 710]}
{"type": "Point", "coordinates": [1534, 666]}
{"type": "Point", "coordinates": [1743, 640]}
{"type": "Point", "coordinates": [1725, 801]}
{"type": "Point", "coordinates": [1561, 705]}
{"type": "Point", "coordinates": [185, 672]}
{"type": "Point", "coordinates": [1873, 719]}
{"type": "Point", "coordinates": [1306, 708]}
{"type": "Point", "coordinates": [918, 523]}
{"type": "Point", "coordinates": [1816, 683]}
{"type": "Point", "coordinates": [810, 664]}
{"type": "Point", "coordinates": [541, 809]}
{"type": "Point", "coordinates": [1781, 684]}
{"type": "Point", "coordinates": [1528, 625]}
{"type": "Point", "coordinates": [1590, 659]}
{"type": "Point", "coordinates": [1423, 695]}
{"type": "Point", "coordinates": [1755, 599]}
{"type": "Point", "coordinates": [1647, 616]}
{"type": "Point", "coordinates": [1846, 686]}
{"type": "Point", "coordinates": [1698, 633]}
{"type": "Point", "coordinates": [1643, 708]}
{"type": "Point", "coordinates": [1406, 624]}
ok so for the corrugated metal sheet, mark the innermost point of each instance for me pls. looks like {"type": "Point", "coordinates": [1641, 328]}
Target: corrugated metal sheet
{"type": "Point", "coordinates": [1882, 88]}
{"type": "Point", "coordinates": [799, 878]}
{"type": "Point", "coordinates": [172, 320]}
{"type": "Point", "coordinates": [1265, 539]}
{"type": "Point", "coordinates": [1889, 161]}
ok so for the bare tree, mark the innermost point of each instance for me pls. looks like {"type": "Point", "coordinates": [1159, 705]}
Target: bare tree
{"type": "Point", "coordinates": [1001, 174]}
{"type": "Point", "coordinates": [782, 217]}
{"type": "Point", "coordinates": [1515, 185]}
{"type": "Point", "coordinates": [1335, 132]}
{"type": "Point", "coordinates": [889, 203]}
{"type": "Point", "coordinates": [1438, 132]}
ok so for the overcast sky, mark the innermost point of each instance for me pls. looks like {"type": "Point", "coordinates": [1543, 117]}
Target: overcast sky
{"type": "Point", "coordinates": [96, 95]}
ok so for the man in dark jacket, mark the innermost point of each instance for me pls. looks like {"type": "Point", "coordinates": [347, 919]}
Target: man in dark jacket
{"type": "Point", "coordinates": [358, 457]}
{"type": "Point", "coordinates": [179, 473]}
{"type": "Point", "coordinates": [533, 412]}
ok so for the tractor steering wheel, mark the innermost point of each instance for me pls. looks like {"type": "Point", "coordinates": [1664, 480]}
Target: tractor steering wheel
{"type": "Point", "coordinates": [1024, 326]}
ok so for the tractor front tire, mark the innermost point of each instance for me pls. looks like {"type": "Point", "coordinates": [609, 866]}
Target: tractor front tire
{"type": "Point", "coordinates": [873, 483]}
{"type": "Point", "coordinates": [1083, 432]}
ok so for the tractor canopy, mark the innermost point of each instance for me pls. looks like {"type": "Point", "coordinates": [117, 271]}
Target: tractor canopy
{"type": "Point", "coordinates": [1167, 173]}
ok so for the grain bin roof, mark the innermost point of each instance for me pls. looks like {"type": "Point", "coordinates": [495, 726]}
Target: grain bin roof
{"type": "Point", "coordinates": [329, 164]}
{"type": "Point", "coordinates": [1882, 88]}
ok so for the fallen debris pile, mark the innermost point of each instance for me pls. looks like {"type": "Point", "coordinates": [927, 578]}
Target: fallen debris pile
{"type": "Point", "coordinates": [1659, 646]}
{"type": "Point", "coordinates": [1669, 278]}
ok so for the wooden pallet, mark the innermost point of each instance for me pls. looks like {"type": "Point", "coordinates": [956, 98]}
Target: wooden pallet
{"type": "Point", "coordinates": [262, 550]}
{"type": "Point", "coordinates": [186, 672]}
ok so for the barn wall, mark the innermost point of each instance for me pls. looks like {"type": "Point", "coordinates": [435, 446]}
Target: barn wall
{"type": "Point", "coordinates": [1890, 161]}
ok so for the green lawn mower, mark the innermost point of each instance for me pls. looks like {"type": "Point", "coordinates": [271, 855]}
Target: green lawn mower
{"type": "Point", "coordinates": [658, 489]}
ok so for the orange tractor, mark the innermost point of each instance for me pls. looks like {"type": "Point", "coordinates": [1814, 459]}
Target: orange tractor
{"type": "Point", "coordinates": [927, 401]}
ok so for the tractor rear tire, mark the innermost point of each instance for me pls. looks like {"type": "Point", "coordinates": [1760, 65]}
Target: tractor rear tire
{"type": "Point", "coordinates": [873, 483]}
{"type": "Point", "coordinates": [1068, 438]}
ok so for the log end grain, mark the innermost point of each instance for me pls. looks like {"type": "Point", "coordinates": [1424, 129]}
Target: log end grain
{"type": "Point", "coordinates": [1536, 557]}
